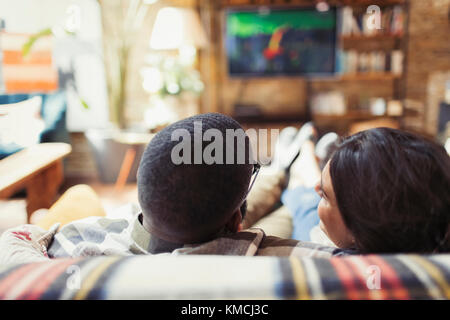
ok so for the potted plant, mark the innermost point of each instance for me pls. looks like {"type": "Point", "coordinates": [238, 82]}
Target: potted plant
{"type": "Point", "coordinates": [119, 148]}
{"type": "Point", "coordinates": [122, 21]}
{"type": "Point", "coordinates": [174, 86]}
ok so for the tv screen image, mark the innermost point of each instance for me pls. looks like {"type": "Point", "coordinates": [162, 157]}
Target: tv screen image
{"type": "Point", "coordinates": [280, 42]}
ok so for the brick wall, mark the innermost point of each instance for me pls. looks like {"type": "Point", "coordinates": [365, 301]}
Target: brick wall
{"type": "Point", "coordinates": [428, 51]}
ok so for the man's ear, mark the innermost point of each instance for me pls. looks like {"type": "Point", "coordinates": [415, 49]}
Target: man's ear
{"type": "Point", "coordinates": [235, 222]}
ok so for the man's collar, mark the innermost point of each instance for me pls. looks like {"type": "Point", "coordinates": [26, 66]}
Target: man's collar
{"type": "Point", "coordinates": [149, 243]}
{"type": "Point", "coordinates": [242, 243]}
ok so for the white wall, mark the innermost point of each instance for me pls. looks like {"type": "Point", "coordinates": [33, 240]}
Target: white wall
{"type": "Point", "coordinates": [84, 51]}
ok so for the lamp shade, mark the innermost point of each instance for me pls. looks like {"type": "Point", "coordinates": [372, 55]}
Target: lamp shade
{"type": "Point", "coordinates": [177, 27]}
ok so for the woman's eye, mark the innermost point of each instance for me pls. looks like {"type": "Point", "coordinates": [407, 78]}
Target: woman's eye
{"type": "Point", "coordinates": [322, 195]}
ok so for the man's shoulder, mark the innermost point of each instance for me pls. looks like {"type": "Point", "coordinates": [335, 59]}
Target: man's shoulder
{"type": "Point", "coordinates": [254, 242]}
{"type": "Point", "coordinates": [91, 231]}
{"type": "Point", "coordinates": [275, 246]}
{"type": "Point", "coordinates": [273, 241]}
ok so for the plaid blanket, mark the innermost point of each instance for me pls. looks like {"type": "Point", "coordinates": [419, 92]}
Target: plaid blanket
{"type": "Point", "coordinates": [225, 277]}
{"type": "Point", "coordinates": [96, 236]}
{"type": "Point", "coordinates": [114, 237]}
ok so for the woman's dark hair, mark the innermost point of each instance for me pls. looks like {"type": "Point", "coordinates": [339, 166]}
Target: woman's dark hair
{"type": "Point", "coordinates": [393, 191]}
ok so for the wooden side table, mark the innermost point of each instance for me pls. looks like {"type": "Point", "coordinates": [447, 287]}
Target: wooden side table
{"type": "Point", "coordinates": [39, 170]}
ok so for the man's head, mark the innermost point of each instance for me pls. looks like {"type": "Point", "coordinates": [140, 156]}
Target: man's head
{"type": "Point", "coordinates": [185, 197]}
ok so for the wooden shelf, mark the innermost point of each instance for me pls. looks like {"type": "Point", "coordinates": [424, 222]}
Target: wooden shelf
{"type": "Point", "coordinates": [375, 37]}
{"type": "Point", "coordinates": [363, 76]}
{"type": "Point", "coordinates": [270, 118]}
{"type": "Point", "coordinates": [371, 76]}
{"type": "Point", "coordinates": [352, 116]}
{"type": "Point", "coordinates": [365, 43]}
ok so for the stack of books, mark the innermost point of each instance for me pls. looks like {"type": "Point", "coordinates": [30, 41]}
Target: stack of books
{"type": "Point", "coordinates": [388, 21]}
{"type": "Point", "coordinates": [352, 61]}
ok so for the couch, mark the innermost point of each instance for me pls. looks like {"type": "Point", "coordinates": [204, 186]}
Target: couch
{"type": "Point", "coordinates": [230, 277]}
{"type": "Point", "coordinates": [399, 276]}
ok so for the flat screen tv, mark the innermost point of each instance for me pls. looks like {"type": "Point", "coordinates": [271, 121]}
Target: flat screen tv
{"type": "Point", "coordinates": [270, 41]}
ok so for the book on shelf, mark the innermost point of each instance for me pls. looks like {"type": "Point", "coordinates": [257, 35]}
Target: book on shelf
{"type": "Point", "coordinates": [366, 24]}
{"type": "Point", "coordinates": [386, 19]}
{"type": "Point", "coordinates": [351, 62]}
{"type": "Point", "coordinates": [363, 62]}
{"type": "Point", "coordinates": [356, 27]}
{"type": "Point", "coordinates": [354, 62]}
{"type": "Point", "coordinates": [391, 22]}
{"type": "Point", "coordinates": [346, 21]}
{"type": "Point", "coordinates": [397, 21]}
{"type": "Point", "coordinates": [378, 61]}
{"type": "Point", "coordinates": [397, 62]}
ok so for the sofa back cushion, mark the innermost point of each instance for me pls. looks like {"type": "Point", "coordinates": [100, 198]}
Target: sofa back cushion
{"type": "Point", "coordinates": [52, 114]}
{"type": "Point", "coordinates": [229, 277]}
{"type": "Point", "coordinates": [21, 124]}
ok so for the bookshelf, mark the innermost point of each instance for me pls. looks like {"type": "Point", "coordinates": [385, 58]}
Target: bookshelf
{"type": "Point", "coordinates": [370, 64]}
{"type": "Point", "coordinates": [355, 116]}
{"type": "Point", "coordinates": [375, 37]}
{"type": "Point", "coordinates": [357, 86]}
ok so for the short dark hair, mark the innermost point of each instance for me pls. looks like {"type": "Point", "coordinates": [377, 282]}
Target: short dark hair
{"type": "Point", "coordinates": [190, 203]}
{"type": "Point", "coordinates": [393, 191]}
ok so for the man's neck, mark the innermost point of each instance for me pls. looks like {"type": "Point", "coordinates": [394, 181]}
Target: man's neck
{"type": "Point", "coordinates": [156, 244]}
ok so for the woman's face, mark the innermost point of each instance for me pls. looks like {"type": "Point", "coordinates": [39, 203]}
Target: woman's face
{"type": "Point", "coordinates": [331, 221]}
